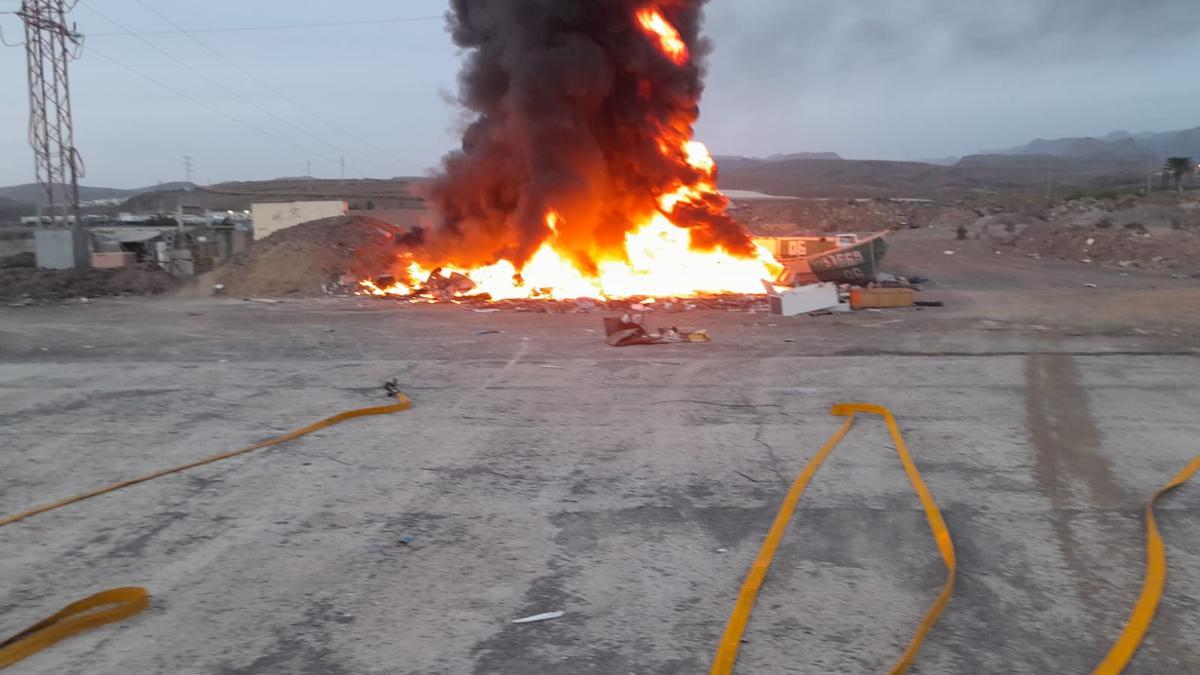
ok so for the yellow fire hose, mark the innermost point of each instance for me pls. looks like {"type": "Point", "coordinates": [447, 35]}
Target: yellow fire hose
{"type": "Point", "coordinates": [1114, 663]}
{"type": "Point", "coordinates": [1152, 586]}
{"type": "Point", "coordinates": [121, 603]}
{"type": "Point", "coordinates": [728, 648]}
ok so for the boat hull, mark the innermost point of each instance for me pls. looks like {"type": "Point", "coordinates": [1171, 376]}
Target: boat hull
{"type": "Point", "coordinates": [856, 264]}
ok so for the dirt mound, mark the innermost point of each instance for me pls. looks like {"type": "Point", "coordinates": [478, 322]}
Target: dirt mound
{"type": "Point", "coordinates": [306, 259]}
{"type": "Point", "coordinates": [18, 260]}
{"type": "Point", "coordinates": [1130, 247]}
{"type": "Point", "coordinates": [28, 283]}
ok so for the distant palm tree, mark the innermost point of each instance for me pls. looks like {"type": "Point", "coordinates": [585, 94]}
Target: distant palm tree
{"type": "Point", "coordinates": [1178, 167]}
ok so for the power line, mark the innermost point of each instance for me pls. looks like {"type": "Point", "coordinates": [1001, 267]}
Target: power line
{"type": "Point", "coordinates": [258, 80]}
{"type": "Point", "coordinates": [216, 83]}
{"type": "Point", "coordinates": [218, 111]}
{"type": "Point", "coordinates": [294, 26]}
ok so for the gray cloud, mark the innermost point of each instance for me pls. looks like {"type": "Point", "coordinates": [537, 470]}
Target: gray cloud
{"type": "Point", "coordinates": [835, 39]}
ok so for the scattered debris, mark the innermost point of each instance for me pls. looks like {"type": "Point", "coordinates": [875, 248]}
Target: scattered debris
{"type": "Point", "coordinates": [628, 330]}
{"type": "Point", "coordinates": [1090, 286]}
{"type": "Point", "coordinates": [929, 303]}
{"type": "Point", "coordinates": [539, 617]}
{"type": "Point", "coordinates": [948, 252]}
{"type": "Point", "coordinates": [265, 301]}
{"type": "Point", "coordinates": [490, 332]}
{"type": "Point", "coordinates": [407, 540]}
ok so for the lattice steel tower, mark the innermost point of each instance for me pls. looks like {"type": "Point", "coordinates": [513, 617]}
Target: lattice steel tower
{"type": "Point", "coordinates": [49, 46]}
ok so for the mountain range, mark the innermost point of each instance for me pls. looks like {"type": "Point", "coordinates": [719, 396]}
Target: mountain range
{"type": "Point", "coordinates": [32, 194]}
{"type": "Point", "coordinates": [1119, 145]}
{"type": "Point", "coordinates": [1119, 159]}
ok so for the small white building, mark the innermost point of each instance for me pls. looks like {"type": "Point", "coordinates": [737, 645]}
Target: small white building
{"type": "Point", "coordinates": [270, 217]}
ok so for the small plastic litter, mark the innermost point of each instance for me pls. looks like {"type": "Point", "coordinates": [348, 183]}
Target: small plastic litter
{"type": "Point", "coordinates": [407, 540]}
{"type": "Point", "coordinates": [490, 332]}
{"type": "Point", "coordinates": [1090, 286]}
{"type": "Point", "coordinates": [539, 617]}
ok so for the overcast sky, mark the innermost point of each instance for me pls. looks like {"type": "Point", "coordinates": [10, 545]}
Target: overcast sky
{"type": "Point", "coordinates": [885, 79]}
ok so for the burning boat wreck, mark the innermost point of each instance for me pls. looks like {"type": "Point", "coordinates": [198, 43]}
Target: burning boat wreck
{"type": "Point", "coordinates": [579, 176]}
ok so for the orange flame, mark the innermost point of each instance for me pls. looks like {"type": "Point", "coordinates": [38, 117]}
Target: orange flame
{"type": "Point", "coordinates": [657, 260]}
{"type": "Point", "coordinates": [669, 40]}
{"type": "Point", "coordinates": [659, 263]}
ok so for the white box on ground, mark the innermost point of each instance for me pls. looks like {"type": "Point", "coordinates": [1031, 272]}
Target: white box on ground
{"type": "Point", "coordinates": [805, 299]}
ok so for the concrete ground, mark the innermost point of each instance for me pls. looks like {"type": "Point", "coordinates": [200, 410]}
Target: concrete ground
{"type": "Point", "coordinates": [542, 470]}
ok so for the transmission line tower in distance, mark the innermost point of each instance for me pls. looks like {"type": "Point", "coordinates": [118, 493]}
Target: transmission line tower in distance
{"type": "Point", "coordinates": [49, 46]}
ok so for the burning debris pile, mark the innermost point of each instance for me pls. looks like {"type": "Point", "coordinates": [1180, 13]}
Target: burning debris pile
{"type": "Point", "coordinates": [579, 176]}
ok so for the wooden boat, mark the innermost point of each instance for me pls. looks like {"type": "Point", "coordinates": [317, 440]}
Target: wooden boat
{"type": "Point", "coordinates": [843, 259]}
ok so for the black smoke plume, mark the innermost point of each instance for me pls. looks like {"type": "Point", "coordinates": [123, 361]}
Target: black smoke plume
{"type": "Point", "coordinates": [578, 111]}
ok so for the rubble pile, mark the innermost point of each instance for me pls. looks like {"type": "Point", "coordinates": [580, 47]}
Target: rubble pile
{"type": "Point", "coordinates": [21, 283]}
{"type": "Point", "coordinates": [321, 257]}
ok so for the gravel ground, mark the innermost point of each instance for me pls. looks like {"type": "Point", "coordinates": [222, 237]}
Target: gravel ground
{"type": "Point", "coordinates": [541, 470]}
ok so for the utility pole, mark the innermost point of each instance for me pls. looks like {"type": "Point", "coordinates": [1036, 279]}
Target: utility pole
{"type": "Point", "coordinates": [343, 162]}
{"type": "Point", "coordinates": [49, 46]}
{"type": "Point", "coordinates": [308, 169]}
{"type": "Point", "coordinates": [187, 167]}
